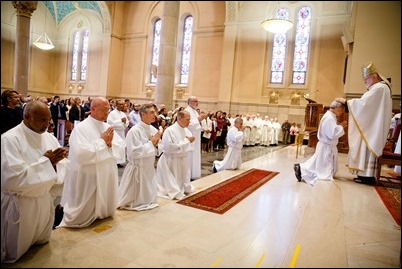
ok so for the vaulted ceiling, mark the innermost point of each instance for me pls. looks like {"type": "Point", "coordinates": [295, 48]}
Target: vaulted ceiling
{"type": "Point", "coordinates": [60, 9]}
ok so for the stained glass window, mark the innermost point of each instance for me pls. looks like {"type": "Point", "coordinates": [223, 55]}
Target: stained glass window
{"type": "Point", "coordinates": [74, 64]}
{"type": "Point", "coordinates": [79, 61]}
{"type": "Point", "coordinates": [84, 55]}
{"type": "Point", "coordinates": [155, 50]}
{"type": "Point", "coordinates": [279, 51]}
{"type": "Point", "coordinates": [302, 40]}
{"type": "Point", "coordinates": [186, 49]}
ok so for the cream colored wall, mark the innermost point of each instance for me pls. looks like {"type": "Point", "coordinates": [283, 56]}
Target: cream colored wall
{"type": "Point", "coordinates": [137, 46]}
{"type": "Point", "coordinates": [329, 82]}
{"type": "Point", "coordinates": [377, 38]}
{"type": "Point", "coordinates": [8, 22]}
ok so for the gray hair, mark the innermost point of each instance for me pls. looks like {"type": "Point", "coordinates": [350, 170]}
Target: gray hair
{"type": "Point", "coordinates": [335, 104]}
{"type": "Point", "coordinates": [238, 120]}
{"type": "Point", "coordinates": [144, 108]}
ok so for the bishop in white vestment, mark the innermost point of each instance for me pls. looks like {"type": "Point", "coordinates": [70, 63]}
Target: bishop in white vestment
{"type": "Point", "coordinates": [369, 121]}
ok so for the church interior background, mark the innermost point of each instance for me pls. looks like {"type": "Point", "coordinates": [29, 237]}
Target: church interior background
{"type": "Point", "coordinates": [231, 57]}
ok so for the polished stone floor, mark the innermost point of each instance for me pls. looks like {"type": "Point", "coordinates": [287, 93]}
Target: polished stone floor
{"type": "Point", "coordinates": [284, 223]}
{"type": "Point", "coordinates": [248, 153]}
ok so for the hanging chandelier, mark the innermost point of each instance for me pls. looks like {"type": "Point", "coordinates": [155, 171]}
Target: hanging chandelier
{"type": "Point", "coordinates": [43, 42]}
{"type": "Point", "coordinates": [278, 23]}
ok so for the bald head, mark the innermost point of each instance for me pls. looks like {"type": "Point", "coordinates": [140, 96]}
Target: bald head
{"type": "Point", "coordinates": [37, 116]}
{"type": "Point", "coordinates": [99, 101]}
{"type": "Point", "coordinates": [100, 108]}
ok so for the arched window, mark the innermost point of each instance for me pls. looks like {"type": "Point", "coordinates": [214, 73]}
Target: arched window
{"type": "Point", "coordinates": [186, 49]}
{"type": "Point", "coordinates": [302, 41]}
{"type": "Point", "coordinates": [279, 51]}
{"type": "Point", "coordinates": [78, 71]}
{"type": "Point", "coordinates": [155, 50]}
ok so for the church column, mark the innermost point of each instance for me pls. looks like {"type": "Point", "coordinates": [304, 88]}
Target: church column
{"type": "Point", "coordinates": [21, 55]}
{"type": "Point", "coordinates": [228, 55]}
{"type": "Point", "coordinates": [167, 54]}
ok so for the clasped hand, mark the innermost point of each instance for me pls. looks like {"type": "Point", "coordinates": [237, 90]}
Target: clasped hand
{"type": "Point", "coordinates": [56, 155]}
{"type": "Point", "coordinates": [108, 136]}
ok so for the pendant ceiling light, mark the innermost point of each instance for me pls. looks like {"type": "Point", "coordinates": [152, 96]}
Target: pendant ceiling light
{"type": "Point", "coordinates": [279, 22]}
{"type": "Point", "coordinates": [43, 42]}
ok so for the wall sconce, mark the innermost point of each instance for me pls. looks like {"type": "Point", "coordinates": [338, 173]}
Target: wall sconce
{"type": "Point", "coordinates": [148, 92]}
{"type": "Point", "coordinates": [274, 97]}
{"type": "Point", "coordinates": [278, 23]}
{"type": "Point", "coordinates": [179, 93]}
{"type": "Point", "coordinates": [70, 88]}
{"type": "Point", "coordinates": [295, 98]}
{"type": "Point", "coordinates": [80, 87]}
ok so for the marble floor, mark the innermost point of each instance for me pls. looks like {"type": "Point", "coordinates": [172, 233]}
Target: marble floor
{"type": "Point", "coordinates": [284, 223]}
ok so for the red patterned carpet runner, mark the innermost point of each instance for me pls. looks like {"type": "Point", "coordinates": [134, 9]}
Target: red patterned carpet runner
{"type": "Point", "coordinates": [225, 195]}
{"type": "Point", "coordinates": [391, 198]}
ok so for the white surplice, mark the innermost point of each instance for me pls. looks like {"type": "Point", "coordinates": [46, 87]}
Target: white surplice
{"type": "Point", "coordinates": [323, 164]}
{"type": "Point", "coordinates": [138, 187]}
{"type": "Point", "coordinates": [27, 210]}
{"type": "Point", "coordinates": [275, 129]}
{"type": "Point", "coordinates": [90, 190]}
{"type": "Point", "coordinates": [114, 119]}
{"type": "Point", "coordinates": [368, 126]}
{"type": "Point", "coordinates": [173, 172]}
{"type": "Point", "coordinates": [195, 155]}
{"type": "Point", "coordinates": [232, 159]}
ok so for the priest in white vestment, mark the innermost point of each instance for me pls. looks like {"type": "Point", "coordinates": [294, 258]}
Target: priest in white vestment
{"type": "Point", "coordinates": [235, 140]}
{"type": "Point", "coordinates": [195, 128]}
{"type": "Point", "coordinates": [118, 119]}
{"type": "Point", "coordinates": [90, 190]}
{"type": "Point", "coordinates": [173, 172]}
{"type": "Point", "coordinates": [275, 129]}
{"type": "Point", "coordinates": [30, 157]}
{"type": "Point", "coordinates": [138, 188]}
{"type": "Point", "coordinates": [265, 132]}
{"type": "Point", "coordinates": [324, 162]}
{"type": "Point", "coordinates": [369, 121]}
{"type": "Point", "coordinates": [247, 123]}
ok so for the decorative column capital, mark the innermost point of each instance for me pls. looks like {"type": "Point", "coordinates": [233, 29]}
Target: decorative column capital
{"type": "Point", "coordinates": [25, 8]}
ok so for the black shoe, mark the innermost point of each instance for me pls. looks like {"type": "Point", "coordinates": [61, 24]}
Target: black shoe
{"type": "Point", "coordinates": [296, 167]}
{"type": "Point", "coordinates": [365, 180]}
{"type": "Point", "coordinates": [58, 216]}
{"type": "Point", "coordinates": [214, 169]}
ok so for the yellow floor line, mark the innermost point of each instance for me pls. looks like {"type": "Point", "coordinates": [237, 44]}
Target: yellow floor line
{"type": "Point", "coordinates": [295, 256]}
{"type": "Point", "coordinates": [257, 265]}
{"type": "Point", "coordinates": [218, 260]}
